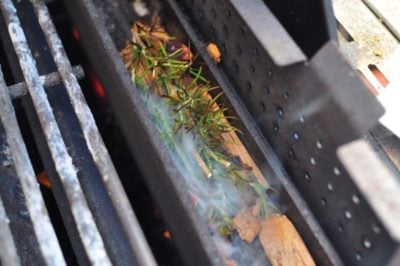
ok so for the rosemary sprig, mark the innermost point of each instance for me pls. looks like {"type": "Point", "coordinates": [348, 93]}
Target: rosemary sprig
{"type": "Point", "coordinates": [157, 68]}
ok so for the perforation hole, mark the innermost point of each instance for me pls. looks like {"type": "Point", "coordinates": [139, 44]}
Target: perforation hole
{"type": "Point", "coordinates": [355, 199]}
{"type": "Point", "coordinates": [296, 136]}
{"type": "Point", "coordinates": [270, 73]}
{"type": "Point", "coordinates": [319, 144]}
{"type": "Point", "coordinates": [236, 66]}
{"type": "Point", "coordinates": [367, 242]}
{"type": "Point", "coordinates": [252, 69]}
{"type": "Point", "coordinates": [266, 90]}
{"type": "Point", "coordinates": [348, 215]}
{"type": "Point", "coordinates": [280, 111]}
{"type": "Point", "coordinates": [225, 30]}
{"type": "Point", "coordinates": [336, 170]}
{"type": "Point", "coordinates": [228, 13]}
{"type": "Point", "coordinates": [358, 256]}
{"type": "Point", "coordinates": [313, 161]}
{"type": "Point", "coordinates": [257, 51]}
{"type": "Point", "coordinates": [262, 106]}
{"type": "Point", "coordinates": [275, 127]}
{"type": "Point", "coordinates": [307, 176]}
{"type": "Point", "coordinates": [238, 50]}
{"type": "Point", "coordinates": [340, 228]}
{"type": "Point", "coordinates": [324, 202]}
{"type": "Point", "coordinates": [223, 48]}
{"type": "Point", "coordinates": [248, 86]}
{"type": "Point", "coordinates": [286, 95]}
{"type": "Point", "coordinates": [301, 119]}
{"type": "Point", "coordinates": [292, 154]}
{"type": "Point", "coordinates": [212, 31]}
{"type": "Point", "coordinates": [214, 13]}
{"type": "Point", "coordinates": [376, 229]}
{"type": "Point", "coordinates": [330, 187]}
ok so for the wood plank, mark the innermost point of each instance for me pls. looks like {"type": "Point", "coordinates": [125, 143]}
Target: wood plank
{"type": "Point", "coordinates": [282, 243]}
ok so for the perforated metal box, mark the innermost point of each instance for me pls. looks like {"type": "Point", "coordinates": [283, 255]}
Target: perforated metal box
{"type": "Point", "coordinates": [304, 102]}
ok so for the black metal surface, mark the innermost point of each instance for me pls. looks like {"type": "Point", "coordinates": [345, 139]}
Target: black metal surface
{"type": "Point", "coordinates": [305, 112]}
{"type": "Point", "coordinates": [117, 16]}
{"type": "Point", "coordinates": [91, 181]}
{"type": "Point", "coordinates": [274, 39]}
{"type": "Point", "coordinates": [310, 23]}
{"type": "Point", "coordinates": [14, 204]}
{"type": "Point", "coordinates": [161, 177]}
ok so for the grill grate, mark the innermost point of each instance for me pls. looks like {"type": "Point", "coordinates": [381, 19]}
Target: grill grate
{"type": "Point", "coordinates": [94, 240]}
{"type": "Point", "coordinates": [46, 238]}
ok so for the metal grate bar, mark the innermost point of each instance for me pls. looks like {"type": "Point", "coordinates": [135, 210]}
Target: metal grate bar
{"type": "Point", "coordinates": [49, 80]}
{"type": "Point", "coordinates": [93, 139]}
{"type": "Point", "coordinates": [83, 218]}
{"type": "Point", "coordinates": [45, 234]}
{"type": "Point", "coordinates": [8, 253]}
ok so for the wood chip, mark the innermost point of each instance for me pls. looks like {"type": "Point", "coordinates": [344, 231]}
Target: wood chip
{"type": "Point", "coordinates": [214, 52]}
{"type": "Point", "coordinates": [229, 262]}
{"type": "Point", "coordinates": [282, 243]}
{"type": "Point", "coordinates": [235, 147]}
{"type": "Point", "coordinates": [247, 224]}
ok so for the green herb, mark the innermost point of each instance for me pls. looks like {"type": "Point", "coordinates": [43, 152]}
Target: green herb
{"type": "Point", "coordinates": [159, 70]}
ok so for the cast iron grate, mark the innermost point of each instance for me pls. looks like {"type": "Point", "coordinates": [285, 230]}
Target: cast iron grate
{"type": "Point", "coordinates": [100, 221]}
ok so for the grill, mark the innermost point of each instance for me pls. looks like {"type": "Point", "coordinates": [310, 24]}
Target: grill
{"type": "Point", "coordinates": [282, 75]}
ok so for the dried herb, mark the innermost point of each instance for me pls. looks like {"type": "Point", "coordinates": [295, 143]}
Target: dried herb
{"type": "Point", "coordinates": [163, 66]}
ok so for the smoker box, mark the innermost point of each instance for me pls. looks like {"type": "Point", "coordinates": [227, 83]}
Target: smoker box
{"type": "Point", "coordinates": [282, 74]}
{"type": "Point", "coordinates": [300, 103]}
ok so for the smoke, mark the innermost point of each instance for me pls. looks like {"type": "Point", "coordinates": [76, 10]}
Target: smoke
{"type": "Point", "coordinates": [213, 196]}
